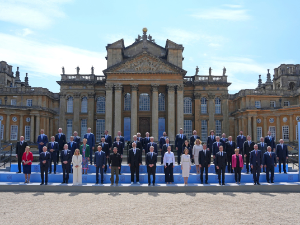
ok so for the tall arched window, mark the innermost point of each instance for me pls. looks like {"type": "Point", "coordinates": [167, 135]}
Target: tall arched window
{"type": "Point", "coordinates": [100, 105]}
{"type": "Point", "coordinates": [161, 102]}
{"type": "Point", "coordinates": [144, 102]}
{"type": "Point", "coordinates": [127, 102]}
{"type": "Point", "coordinates": [70, 105]}
{"type": "Point", "coordinates": [187, 105]}
{"type": "Point", "coordinates": [84, 103]}
{"type": "Point", "coordinates": [203, 105]}
{"type": "Point", "coordinates": [217, 105]}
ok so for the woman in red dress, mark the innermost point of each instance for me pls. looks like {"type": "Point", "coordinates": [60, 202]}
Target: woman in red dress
{"type": "Point", "coordinates": [27, 159]}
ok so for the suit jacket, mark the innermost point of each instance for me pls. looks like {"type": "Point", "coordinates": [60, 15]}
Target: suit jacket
{"type": "Point", "coordinates": [87, 150]}
{"type": "Point", "coordinates": [179, 141]}
{"type": "Point", "coordinates": [138, 145]}
{"type": "Point", "coordinates": [224, 141]}
{"type": "Point", "coordinates": [152, 160]}
{"type": "Point", "coordinates": [149, 145]}
{"type": "Point", "coordinates": [77, 161]}
{"type": "Point", "coordinates": [135, 159]}
{"type": "Point", "coordinates": [165, 148]}
{"type": "Point", "coordinates": [269, 161]}
{"type": "Point", "coordinates": [43, 157]}
{"type": "Point", "coordinates": [73, 147]}
{"type": "Point", "coordinates": [120, 147]}
{"type": "Point", "coordinates": [55, 148]}
{"type": "Point", "coordinates": [221, 161]}
{"type": "Point", "coordinates": [230, 148]}
{"type": "Point", "coordinates": [100, 159]}
{"type": "Point", "coordinates": [256, 158]}
{"type": "Point", "coordinates": [20, 149]}
{"type": "Point", "coordinates": [247, 149]}
{"type": "Point", "coordinates": [204, 160]}
{"type": "Point", "coordinates": [240, 142]}
{"type": "Point", "coordinates": [61, 141]}
{"type": "Point", "coordinates": [210, 142]}
{"type": "Point", "coordinates": [162, 141]}
{"type": "Point", "coordinates": [90, 140]}
{"type": "Point", "coordinates": [192, 140]}
{"type": "Point", "coordinates": [282, 153]}
{"type": "Point", "coordinates": [189, 148]}
{"type": "Point", "coordinates": [108, 140]}
{"type": "Point", "coordinates": [105, 148]}
{"type": "Point", "coordinates": [67, 157]}
{"type": "Point", "coordinates": [233, 160]}
{"type": "Point", "coordinates": [121, 139]}
{"type": "Point", "coordinates": [77, 140]}
{"type": "Point", "coordinates": [44, 140]}
{"type": "Point", "coordinates": [140, 139]}
{"type": "Point", "coordinates": [144, 143]}
{"type": "Point", "coordinates": [270, 142]}
{"type": "Point", "coordinates": [215, 148]}
{"type": "Point", "coordinates": [262, 149]}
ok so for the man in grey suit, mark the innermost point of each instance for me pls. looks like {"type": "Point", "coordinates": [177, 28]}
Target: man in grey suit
{"type": "Point", "coordinates": [99, 162]}
{"type": "Point", "coordinates": [263, 148]}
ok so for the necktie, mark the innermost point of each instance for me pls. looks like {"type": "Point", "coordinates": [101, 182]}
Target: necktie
{"type": "Point", "coordinates": [231, 143]}
{"type": "Point", "coordinates": [222, 154]}
{"type": "Point", "coordinates": [151, 155]}
{"type": "Point", "coordinates": [270, 138]}
{"type": "Point", "coordinates": [59, 135]}
{"type": "Point", "coordinates": [256, 153]}
{"type": "Point", "coordinates": [71, 144]}
{"type": "Point", "coordinates": [270, 155]}
{"type": "Point", "coordinates": [65, 152]}
{"type": "Point", "coordinates": [218, 144]}
{"type": "Point", "coordinates": [118, 143]}
{"type": "Point", "coordinates": [282, 146]}
{"type": "Point", "coordinates": [167, 145]}
{"type": "Point", "coordinates": [249, 143]}
{"type": "Point", "coordinates": [52, 144]}
{"type": "Point", "coordinates": [102, 145]}
{"type": "Point", "coordinates": [134, 151]}
{"type": "Point", "coordinates": [45, 153]}
{"type": "Point", "coordinates": [21, 142]}
{"type": "Point", "coordinates": [181, 136]}
{"type": "Point", "coordinates": [262, 144]}
{"type": "Point", "coordinates": [205, 152]}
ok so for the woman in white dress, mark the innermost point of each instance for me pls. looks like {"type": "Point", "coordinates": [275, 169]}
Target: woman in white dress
{"type": "Point", "coordinates": [196, 149]}
{"type": "Point", "coordinates": [186, 165]}
{"type": "Point", "coordinates": [77, 167]}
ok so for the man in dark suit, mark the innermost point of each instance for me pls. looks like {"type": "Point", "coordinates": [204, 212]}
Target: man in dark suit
{"type": "Point", "coordinates": [162, 141]}
{"type": "Point", "coordinates": [44, 164]}
{"type": "Point", "coordinates": [269, 163]}
{"type": "Point", "coordinates": [20, 149]}
{"type": "Point", "coordinates": [108, 139]}
{"type": "Point", "coordinates": [211, 139]}
{"type": "Point", "coordinates": [52, 149]}
{"type": "Point", "coordinates": [221, 162]}
{"type": "Point", "coordinates": [60, 138]}
{"type": "Point", "coordinates": [105, 148]}
{"type": "Point", "coordinates": [145, 142]}
{"type": "Point", "coordinates": [256, 164]}
{"type": "Point", "coordinates": [42, 140]}
{"type": "Point", "coordinates": [139, 137]}
{"type": "Point", "coordinates": [270, 141]}
{"type": "Point", "coordinates": [138, 144]}
{"type": "Point", "coordinates": [193, 138]}
{"type": "Point", "coordinates": [215, 149]}
{"type": "Point", "coordinates": [262, 146]}
{"type": "Point", "coordinates": [91, 142]}
{"type": "Point", "coordinates": [120, 147]}
{"type": "Point", "coordinates": [134, 162]}
{"type": "Point", "coordinates": [247, 148]}
{"type": "Point", "coordinates": [282, 155]}
{"type": "Point", "coordinates": [151, 160]}
{"type": "Point", "coordinates": [179, 141]}
{"type": "Point", "coordinates": [230, 147]}
{"type": "Point", "coordinates": [204, 163]}
{"type": "Point", "coordinates": [151, 143]}
{"type": "Point", "coordinates": [66, 158]}
{"type": "Point", "coordinates": [240, 140]}
{"type": "Point", "coordinates": [99, 162]}
{"type": "Point", "coordinates": [121, 137]}
{"type": "Point", "coordinates": [72, 145]}
{"type": "Point", "coordinates": [223, 140]}
{"type": "Point", "coordinates": [165, 148]}
{"type": "Point", "coordinates": [76, 138]}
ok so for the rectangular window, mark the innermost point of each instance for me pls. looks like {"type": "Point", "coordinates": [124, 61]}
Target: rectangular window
{"type": "Point", "coordinates": [27, 133]}
{"type": "Point", "coordinates": [257, 104]}
{"type": "Point", "coordinates": [285, 132]}
{"type": "Point", "coordinates": [127, 128]}
{"type": "Point", "coordinates": [161, 126]}
{"type": "Point", "coordinates": [204, 130]}
{"type": "Point", "coordinates": [13, 132]}
{"type": "Point", "coordinates": [203, 108]}
{"type": "Point", "coordinates": [100, 127]}
{"type": "Point", "coordinates": [273, 131]}
{"type": "Point", "coordinates": [286, 103]}
{"type": "Point", "coordinates": [188, 128]}
{"type": "Point", "coordinates": [218, 128]}
{"type": "Point", "coordinates": [83, 127]}
{"type": "Point", "coordinates": [259, 133]}
{"type": "Point", "coordinates": [2, 131]}
{"type": "Point", "coordinates": [13, 101]}
{"type": "Point", "coordinates": [272, 104]}
{"type": "Point", "coordinates": [29, 102]}
{"type": "Point", "coordinates": [0, 101]}
{"type": "Point", "coordinates": [69, 129]}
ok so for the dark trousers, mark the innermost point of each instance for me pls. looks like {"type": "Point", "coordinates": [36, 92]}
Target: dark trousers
{"type": "Point", "coordinates": [52, 159]}
{"type": "Point", "coordinates": [282, 160]}
{"type": "Point", "coordinates": [216, 170]}
{"type": "Point", "coordinates": [162, 156]}
{"type": "Point", "coordinates": [44, 170]}
{"type": "Point", "coordinates": [256, 173]}
{"type": "Point", "coordinates": [151, 171]}
{"type": "Point", "coordinates": [91, 156]}
{"type": "Point", "coordinates": [221, 170]}
{"type": "Point", "coordinates": [19, 162]}
{"type": "Point", "coordinates": [169, 173]}
{"type": "Point", "coordinates": [268, 170]}
{"type": "Point", "coordinates": [229, 163]}
{"type": "Point", "coordinates": [247, 162]}
{"type": "Point", "coordinates": [206, 173]}
{"type": "Point", "coordinates": [120, 166]}
{"type": "Point", "coordinates": [135, 169]}
{"type": "Point", "coordinates": [114, 170]}
{"type": "Point", "coordinates": [97, 173]}
{"type": "Point", "coordinates": [107, 162]}
{"type": "Point", "coordinates": [178, 156]}
{"type": "Point", "coordinates": [237, 174]}
{"type": "Point", "coordinates": [65, 168]}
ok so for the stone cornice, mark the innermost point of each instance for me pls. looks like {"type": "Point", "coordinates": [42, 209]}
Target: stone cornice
{"type": "Point", "coordinates": [154, 87]}
{"type": "Point", "coordinates": [134, 87]}
{"type": "Point", "coordinates": [171, 87]}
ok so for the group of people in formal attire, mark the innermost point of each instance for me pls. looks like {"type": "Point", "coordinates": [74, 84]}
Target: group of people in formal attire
{"type": "Point", "coordinates": [225, 152]}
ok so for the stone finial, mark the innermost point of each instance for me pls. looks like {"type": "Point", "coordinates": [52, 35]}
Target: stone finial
{"type": "Point", "coordinates": [63, 70]}
{"type": "Point", "coordinates": [92, 70]}
{"type": "Point", "coordinates": [224, 71]}
{"type": "Point", "coordinates": [77, 69]}
{"type": "Point", "coordinates": [269, 77]}
{"type": "Point", "coordinates": [197, 70]}
{"type": "Point", "coordinates": [26, 80]}
{"type": "Point", "coordinates": [259, 81]}
{"type": "Point", "coordinates": [209, 71]}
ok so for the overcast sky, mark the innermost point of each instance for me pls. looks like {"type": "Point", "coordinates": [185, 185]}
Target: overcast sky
{"type": "Point", "coordinates": [247, 37]}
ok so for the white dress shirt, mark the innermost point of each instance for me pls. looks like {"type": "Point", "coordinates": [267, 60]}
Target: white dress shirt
{"type": "Point", "coordinates": [169, 158]}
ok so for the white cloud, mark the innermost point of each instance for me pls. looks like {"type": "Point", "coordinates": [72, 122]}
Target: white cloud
{"type": "Point", "coordinates": [33, 13]}
{"type": "Point", "coordinates": [222, 14]}
{"type": "Point", "coordinates": [26, 32]}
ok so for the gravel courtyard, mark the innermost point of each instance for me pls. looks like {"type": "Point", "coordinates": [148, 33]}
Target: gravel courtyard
{"type": "Point", "coordinates": [149, 208]}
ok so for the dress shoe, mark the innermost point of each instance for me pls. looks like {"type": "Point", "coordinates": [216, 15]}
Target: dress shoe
{"type": "Point", "coordinates": [41, 183]}
{"type": "Point", "coordinates": [268, 181]}
{"type": "Point", "coordinates": [201, 182]}
{"type": "Point", "coordinates": [239, 182]}
{"type": "Point", "coordinates": [45, 183]}
{"type": "Point", "coordinates": [148, 184]}
{"type": "Point", "coordinates": [111, 184]}
{"type": "Point", "coordinates": [285, 172]}
{"type": "Point", "coordinates": [54, 172]}
{"type": "Point", "coordinates": [67, 182]}
{"type": "Point", "coordinates": [258, 183]}
{"type": "Point", "coordinates": [223, 183]}
{"type": "Point", "coordinates": [101, 182]}
{"type": "Point", "coordinates": [50, 172]}
{"type": "Point", "coordinates": [97, 183]}
{"type": "Point", "coordinates": [247, 172]}
{"type": "Point", "coordinates": [254, 183]}
{"type": "Point", "coordinates": [153, 184]}
{"type": "Point", "coordinates": [279, 171]}
{"type": "Point", "coordinates": [18, 172]}
{"type": "Point", "coordinates": [220, 183]}
{"type": "Point", "coordinates": [117, 184]}
{"type": "Point", "coordinates": [63, 182]}
{"type": "Point", "coordinates": [272, 182]}
{"type": "Point", "coordinates": [206, 182]}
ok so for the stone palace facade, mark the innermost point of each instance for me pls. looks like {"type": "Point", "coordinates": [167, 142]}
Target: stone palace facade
{"type": "Point", "coordinates": [145, 88]}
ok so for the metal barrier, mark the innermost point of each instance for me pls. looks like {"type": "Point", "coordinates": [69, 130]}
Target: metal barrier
{"type": "Point", "coordinates": [294, 158]}
{"type": "Point", "coordinates": [3, 155]}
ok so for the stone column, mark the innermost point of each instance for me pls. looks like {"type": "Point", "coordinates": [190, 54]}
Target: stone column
{"type": "Point", "coordinates": [224, 103]}
{"type": "Point", "coordinates": [37, 126]}
{"type": "Point", "coordinates": [278, 128]}
{"type": "Point", "coordinates": [7, 128]}
{"type": "Point", "coordinates": [254, 129]}
{"type": "Point", "coordinates": [250, 127]}
{"type": "Point", "coordinates": [211, 112]}
{"type": "Point", "coordinates": [21, 130]}
{"type": "Point", "coordinates": [118, 109]}
{"type": "Point", "coordinates": [236, 128]}
{"type": "Point", "coordinates": [154, 132]}
{"type": "Point", "coordinates": [62, 112]}
{"type": "Point", "coordinates": [133, 118]}
{"type": "Point", "coordinates": [291, 129]}
{"type": "Point", "coordinates": [240, 125]}
{"type": "Point", "coordinates": [197, 97]}
{"type": "Point", "coordinates": [265, 126]}
{"type": "Point", "coordinates": [76, 111]}
{"type": "Point", "coordinates": [50, 128]}
{"type": "Point", "coordinates": [108, 106]}
{"type": "Point", "coordinates": [171, 111]}
{"type": "Point", "coordinates": [180, 116]}
{"type": "Point", "coordinates": [91, 112]}
{"type": "Point", "coordinates": [32, 128]}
